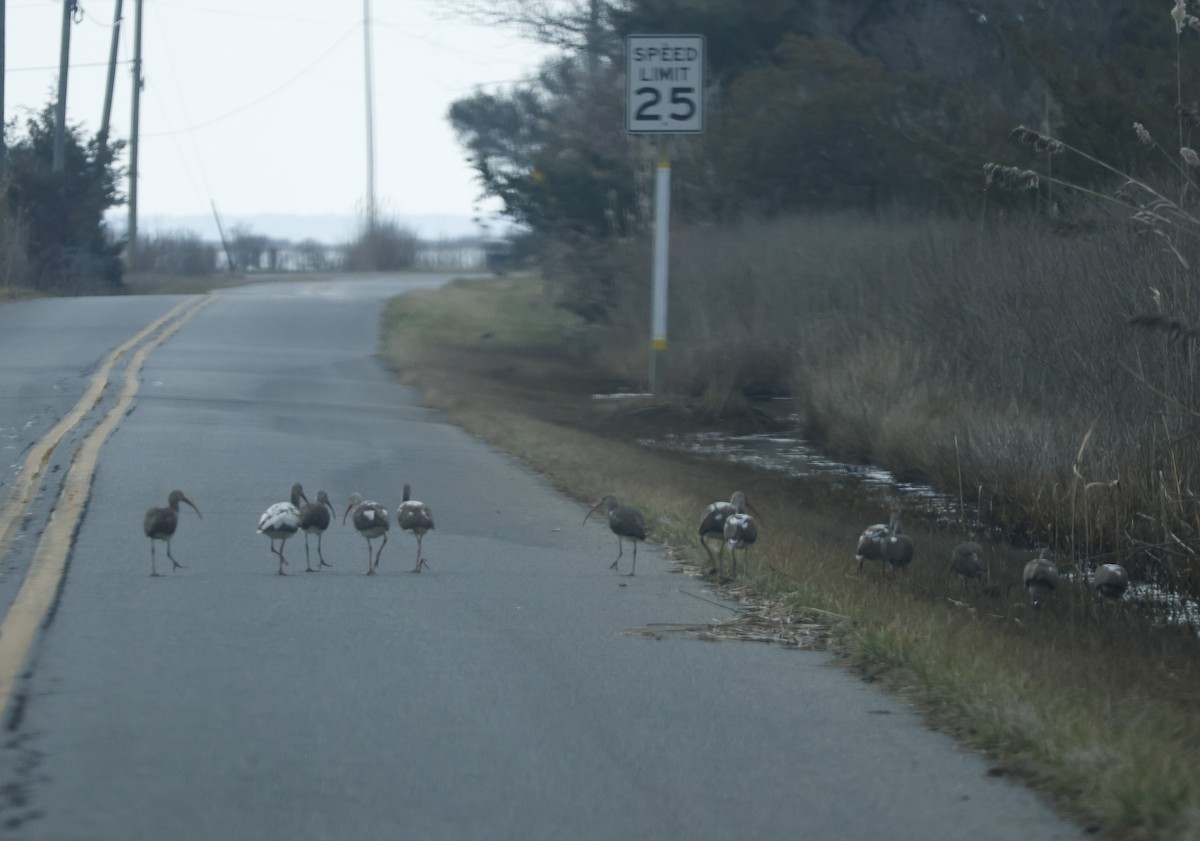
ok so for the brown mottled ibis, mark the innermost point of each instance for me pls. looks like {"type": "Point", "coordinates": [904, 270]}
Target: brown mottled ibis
{"type": "Point", "coordinates": [415, 516]}
{"type": "Point", "coordinates": [626, 522]}
{"type": "Point", "coordinates": [160, 524]}
{"type": "Point", "coordinates": [712, 524]}
{"type": "Point", "coordinates": [1040, 578]}
{"type": "Point", "coordinates": [314, 519]}
{"type": "Point", "coordinates": [966, 561]}
{"type": "Point", "coordinates": [371, 521]}
{"type": "Point", "coordinates": [740, 533]}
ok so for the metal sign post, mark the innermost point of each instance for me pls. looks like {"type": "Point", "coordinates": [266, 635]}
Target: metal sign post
{"type": "Point", "coordinates": [664, 95]}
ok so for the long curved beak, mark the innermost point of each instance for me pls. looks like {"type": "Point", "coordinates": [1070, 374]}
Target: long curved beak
{"type": "Point", "coordinates": [592, 511]}
{"type": "Point", "coordinates": [194, 508]}
{"type": "Point", "coordinates": [753, 510]}
{"type": "Point", "coordinates": [332, 510]}
{"type": "Point", "coordinates": [344, 516]}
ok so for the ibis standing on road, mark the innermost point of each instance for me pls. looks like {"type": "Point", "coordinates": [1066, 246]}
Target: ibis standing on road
{"type": "Point", "coordinates": [371, 521]}
{"type": "Point", "coordinates": [415, 516]}
{"type": "Point", "coordinates": [315, 518]}
{"type": "Point", "coordinates": [160, 524]}
{"type": "Point", "coordinates": [626, 522]}
{"type": "Point", "coordinates": [281, 521]}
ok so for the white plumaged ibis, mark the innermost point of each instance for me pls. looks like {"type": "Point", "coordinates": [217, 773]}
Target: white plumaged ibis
{"type": "Point", "coordinates": [415, 516]}
{"type": "Point", "coordinates": [1111, 581]}
{"type": "Point", "coordinates": [740, 533]}
{"type": "Point", "coordinates": [897, 548]}
{"type": "Point", "coordinates": [1040, 578]}
{"type": "Point", "coordinates": [626, 522]}
{"type": "Point", "coordinates": [281, 521]}
{"type": "Point", "coordinates": [966, 561]}
{"type": "Point", "coordinates": [160, 524]}
{"type": "Point", "coordinates": [314, 519]}
{"type": "Point", "coordinates": [371, 521]}
{"type": "Point", "coordinates": [712, 524]}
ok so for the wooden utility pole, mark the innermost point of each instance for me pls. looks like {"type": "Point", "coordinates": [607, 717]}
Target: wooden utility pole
{"type": "Point", "coordinates": [60, 111]}
{"type": "Point", "coordinates": [112, 77]}
{"type": "Point", "coordinates": [370, 118]}
{"type": "Point", "coordinates": [131, 234]}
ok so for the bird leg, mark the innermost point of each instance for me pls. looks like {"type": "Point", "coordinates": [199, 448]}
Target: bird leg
{"type": "Point", "coordinates": [174, 563]}
{"type": "Point", "coordinates": [380, 552]}
{"type": "Point", "coordinates": [319, 555]}
{"type": "Point", "coordinates": [153, 571]}
{"type": "Point", "coordinates": [370, 556]}
{"type": "Point", "coordinates": [421, 562]}
{"type": "Point", "coordinates": [633, 569]}
{"type": "Point", "coordinates": [279, 552]}
{"type": "Point", "coordinates": [307, 562]}
{"type": "Point", "coordinates": [620, 552]}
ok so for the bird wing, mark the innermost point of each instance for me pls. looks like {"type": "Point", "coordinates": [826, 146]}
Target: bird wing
{"type": "Point", "coordinates": [280, 515]}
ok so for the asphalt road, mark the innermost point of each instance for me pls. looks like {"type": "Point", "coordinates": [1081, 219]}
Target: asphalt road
{"type": "Point", "coordinates": [496, 695]}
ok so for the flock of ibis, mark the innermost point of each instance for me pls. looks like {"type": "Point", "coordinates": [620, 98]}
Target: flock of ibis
{"type": "Point", "coordinates": [888, 543]}
{"type": "Point", "coordinates": [283, 519]}
{"type": "Point", "coordinates": [733, 523]}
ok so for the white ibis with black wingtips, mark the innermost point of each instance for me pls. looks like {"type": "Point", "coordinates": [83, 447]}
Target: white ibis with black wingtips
{"type": "Point", "coordinates": [160, 524]}
{"type": "Point", "coordinates": [371, 521]}
{"type": "Point", "coordinates": [626, 522]}
{"type": "Point", "coordinates": [415, 516]}
{"type": "Point", "coordinates": [281, 521]}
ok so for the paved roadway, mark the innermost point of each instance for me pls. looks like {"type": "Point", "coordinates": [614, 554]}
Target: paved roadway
{"type": "Point", "coordinates": [494, 696]}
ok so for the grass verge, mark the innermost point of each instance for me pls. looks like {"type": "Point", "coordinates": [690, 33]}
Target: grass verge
{"type": "Point", "coordinates": [1099, 708]}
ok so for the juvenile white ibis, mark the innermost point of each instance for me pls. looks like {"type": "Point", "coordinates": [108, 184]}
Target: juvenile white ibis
{"type": "Point", "coordinates": [626, 522]}
{"type": "Point", "coordinates": [371, 521]}
{"type": "Point", "coordinates": [740, 533]}
{"type": "Point", "coordinates": [160, 524]}
{"type": "Point", "coordinates": [712, 524]}
{"type": "Point", "coordinates": [1111, 581]}
{"type": "Point", "coordinates": [415, 516]}
{"type": "Point", "coordinates": [281, 521]}
{"type": "Point", "coordinates": [1040, 578]}
{"type": "Point", "coordinates": [967, 563]}
{"type": "Point", "coordinates": [314, 519]}
{"type": "Point", "coordinates": [870, 543]}
{"type": "Point", "coordinates": [897, 548]}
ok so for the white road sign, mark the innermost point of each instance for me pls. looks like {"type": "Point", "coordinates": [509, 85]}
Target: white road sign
{"type": "Point", "coordinates": [664, 84]}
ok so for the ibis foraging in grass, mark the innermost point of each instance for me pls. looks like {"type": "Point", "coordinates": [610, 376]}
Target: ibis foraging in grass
{"type": "Point", "coordinates": [415, 516]}
{"type": "Point", "coordinates": [160, 524]}
{"type": "Point", "coordinates": [1040, 578]}
{"type": "Point", "coordinates": [314, 519]}
{"type": "Point", "coordinates": [967, 563]}
{"type": "Point", "coordinates": [870, 543]}
{"type": "Point", "coordinates": [1111, 581]}
{"type": "Point", "coordinates": [740, 533]}
{"type": "Point", "coordinates": [281, 521]}
{"type": "Point", "coordinates": [371, 521]}
{"type": "Point", "coordinates": [712, 524]}
{"type": "Point", "coordinates": [897, 548]}
{"type": "Point", "coordinates": [626, 522]}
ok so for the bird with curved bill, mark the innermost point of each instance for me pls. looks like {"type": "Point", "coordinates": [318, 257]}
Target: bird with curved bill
{"type": "Point", "coordinates": [626, 522]}
{"type": "Point", "coordinates": [314, 519]}
{"type": "Point", "coordinates": [370, 519]}
{"type": "Point", "coordinates": [281, 521]}
{"type": "Point", "coordinates": [414, 516]}
{"type": "Point", "coordinates": [160, 524]}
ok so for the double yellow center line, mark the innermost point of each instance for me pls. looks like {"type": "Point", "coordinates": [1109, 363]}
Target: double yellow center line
{"type": "Point", "coordinates": [20, 625]}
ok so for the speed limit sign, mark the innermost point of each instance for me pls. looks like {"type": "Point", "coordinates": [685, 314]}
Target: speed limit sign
{"type": "Point", "coordinates": [664, 84]}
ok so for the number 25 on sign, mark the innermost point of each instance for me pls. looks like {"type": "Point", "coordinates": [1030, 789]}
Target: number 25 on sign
{"type": "Point", "coordinates": [664, 84]}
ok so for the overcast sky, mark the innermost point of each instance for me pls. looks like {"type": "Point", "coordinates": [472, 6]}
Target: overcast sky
{"type": "Point", "coordinates": [259, 105]}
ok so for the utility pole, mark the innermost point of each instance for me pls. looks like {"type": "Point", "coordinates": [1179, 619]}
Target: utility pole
{"type": "Point", "coordinates": [131, 234]}
{"type": "Point", "coordinates": [112, 76]}
{"type": "Point", "coordinates": [370, 118]}
{"type": "Point", "coordinates": [60, 111]}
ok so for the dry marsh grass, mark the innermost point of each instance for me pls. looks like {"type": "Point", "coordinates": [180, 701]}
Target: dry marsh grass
{"type": "Point", "coordinates": [1095, 706]}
